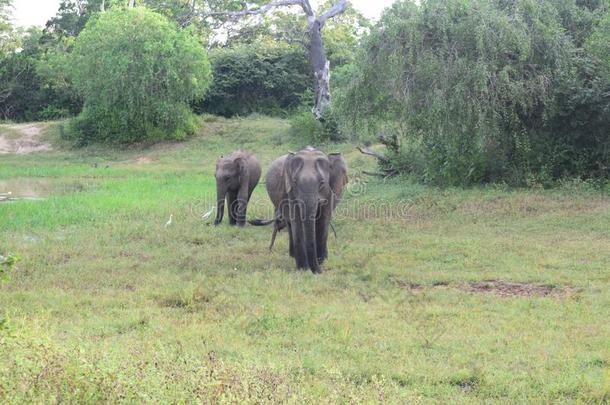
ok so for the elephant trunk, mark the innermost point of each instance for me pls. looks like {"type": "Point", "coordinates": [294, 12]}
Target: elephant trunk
{"type": "Point", "coordinates": [310, 237]}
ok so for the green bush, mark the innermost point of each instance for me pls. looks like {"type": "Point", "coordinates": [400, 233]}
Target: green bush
{"type": "Point", "coordinates": [7, 264]}
{"type": "Point", "coordinates": [137, 73]}
{"type": "Point", "coordinates": [28, 90]}
{"type": "Point", "coordinates": [266, 79]}
{"type": "Point", "coordinates": [306, 129]}
{"type": "Point", "coordinates": [486, 91]}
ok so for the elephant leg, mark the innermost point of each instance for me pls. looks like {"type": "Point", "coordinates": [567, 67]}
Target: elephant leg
{"type": "Point", "coordinates": [242, 207]}
{"type": "Point", "coordinates": [232, 201]}
{"type": "Point", "coordinates": [322, 228]}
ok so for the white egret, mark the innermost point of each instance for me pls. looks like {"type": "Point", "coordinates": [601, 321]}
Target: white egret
{"type": "Point", "coordinates": [207, 214]}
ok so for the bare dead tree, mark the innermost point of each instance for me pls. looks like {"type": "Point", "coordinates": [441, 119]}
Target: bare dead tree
{"type": "Point", "coordinates": [320, 64]}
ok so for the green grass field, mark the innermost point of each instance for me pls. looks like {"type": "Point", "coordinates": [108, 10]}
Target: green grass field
{"type": "Point", "coordinates": [107, 304]}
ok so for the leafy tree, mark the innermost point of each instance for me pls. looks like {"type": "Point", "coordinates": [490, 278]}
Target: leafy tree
{"type": "Point", "coordinates": [316, 20]}
{"type": "Point", "coordinates": [341, 35]}
{"type": "Point", "coordinates": [5, 14]}
{"type": "Point", "coordinates": [260, 78]}
{"type": "Point", "coordinates": [137, 73]}
{"type": "Point", "coordinates": [598, 45]}
{"type": "Point", "coordinates": [72, 16]}
{"type": "Point", "coordinates": [7, 43]}
{"type": "Point", "coordinates": [29, 93]}
{"type": "Point", "coordinates": [478, 91]}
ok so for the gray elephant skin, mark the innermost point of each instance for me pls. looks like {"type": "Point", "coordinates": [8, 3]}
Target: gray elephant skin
{"type": "Point", "coordinates": [305, 188]}
{"type": "Point", "coordinates": [236, 177]}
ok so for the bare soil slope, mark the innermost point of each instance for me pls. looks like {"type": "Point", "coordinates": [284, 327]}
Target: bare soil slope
{"type": "Point", "coordinates": [22, 139]}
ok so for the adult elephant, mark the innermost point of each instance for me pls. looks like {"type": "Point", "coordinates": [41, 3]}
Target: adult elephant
{"type": "Point", "coordinates": [236, 177]}
{"type": "Point", "coordinates": [305, 188]}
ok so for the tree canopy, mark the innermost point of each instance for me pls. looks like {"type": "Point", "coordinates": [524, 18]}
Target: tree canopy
{"type": "Point", "coordinates": [477, 91]}
{"type": "Point", "coordinates": [6, 29]}
{"type": "Point", "coordinates": [263, 78]}
{"type": "Point", "coordinates": [137, 72]}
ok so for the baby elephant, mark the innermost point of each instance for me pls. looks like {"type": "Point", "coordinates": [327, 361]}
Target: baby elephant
{"type": "Point", "coordinates": [236, 177]}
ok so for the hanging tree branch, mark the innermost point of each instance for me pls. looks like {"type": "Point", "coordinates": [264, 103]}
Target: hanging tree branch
{"type": "Point", "coordinates": [262, 9]}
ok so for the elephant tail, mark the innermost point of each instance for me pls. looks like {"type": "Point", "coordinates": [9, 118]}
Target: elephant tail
{"type": "Point", "coordinates": [261, 222]}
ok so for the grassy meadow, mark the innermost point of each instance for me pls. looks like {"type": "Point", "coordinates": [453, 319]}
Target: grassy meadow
{"type": "Point", "coordinates": [488, 295]}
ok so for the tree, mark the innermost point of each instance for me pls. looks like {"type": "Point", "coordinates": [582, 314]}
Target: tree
{"type": "Point", "coordinates": [484, 91]}
{"type": "Point", "coordinates": [71, 17]}
{"type": "Point", "coordinates": [137, 72]}
{"type": "Point", "coordinates": [30, 89]}
{"type": "Point", "coordinates": [318, 60]}
{"type": "Point", "coordinates": [7, 42]}
{"type": "Point", "coordinates": [261, 77]}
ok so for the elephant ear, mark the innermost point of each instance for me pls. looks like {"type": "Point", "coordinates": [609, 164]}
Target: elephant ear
{"type": "Point", "coordinates": [218, 162]}
{"type": "Point", "coordinates": [292, 166]}
{"type": "Point", "coordinates": [338, 173]}
{"type": "Point", "coordinates": [242, 169]}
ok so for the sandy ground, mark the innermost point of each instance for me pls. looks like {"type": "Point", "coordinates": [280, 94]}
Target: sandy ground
{"type": "Point", "coordinates": [27, 139]}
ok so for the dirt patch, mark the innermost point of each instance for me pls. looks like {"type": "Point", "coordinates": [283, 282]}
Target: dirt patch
{"type": "Point", "coordinates": [524, 205]}
{"type": "Point", "coordinates": [506, 289]}
{"type": "Point", "coordinates": [22, 139]}
{"type": "Point", "coordinates": [496, 287]}
{"type": "Point", "coordinates": [144, 160]}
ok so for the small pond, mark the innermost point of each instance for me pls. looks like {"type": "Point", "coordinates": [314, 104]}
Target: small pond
{"type": "Point", "coordinates": [36, 189]}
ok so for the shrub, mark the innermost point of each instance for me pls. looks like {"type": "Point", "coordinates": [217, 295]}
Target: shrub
{"type": "Point", "coordinates": [256, 79]}
{"type": "Point", "coordinates": [486, 91]}
{"type": "Point", "coordinates": [306, 129]}
{"type": "Point", "coordinates": [28, 91]}
{"type": "Point", "coordinates": [7, 265]}
{"type": "Point", "coordinates": [137, 73]}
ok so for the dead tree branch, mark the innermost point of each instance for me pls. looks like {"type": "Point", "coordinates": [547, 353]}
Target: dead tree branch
{"type": "Point", "coordinates": [369, 152]}
{"type": "Point", "coordinates": [262, 9]}
{"type": "Point", "coordinates": [336, 9]}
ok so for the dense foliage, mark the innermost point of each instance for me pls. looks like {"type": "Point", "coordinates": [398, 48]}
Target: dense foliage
{"type": "Point", "coordinates": [254, 73]}
{"type": "Point", "coordinates": [137, 73]}
{"type": "Point", "coordinates": [478, 91]}
{"type": "Point", "coordinates": [260, 64]}
{"type": "Point", "coordinates": [267, 79]}
{"type": "Point", "coordinates": [465, 91]}
{"type": "Point", "coordinates": [5, 26]}
{"type": "Point", "coordinates": [33, 83]}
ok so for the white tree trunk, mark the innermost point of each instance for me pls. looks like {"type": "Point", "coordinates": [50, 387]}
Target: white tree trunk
{"type": "Point", "coordinates": [322, 91]}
